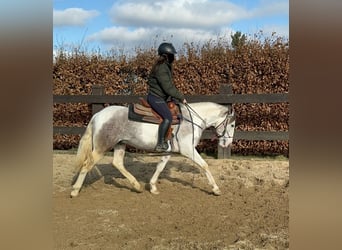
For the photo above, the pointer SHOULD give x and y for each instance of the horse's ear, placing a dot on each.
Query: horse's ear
(230, 109)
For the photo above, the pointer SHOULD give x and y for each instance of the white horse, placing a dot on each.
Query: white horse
(111, 128)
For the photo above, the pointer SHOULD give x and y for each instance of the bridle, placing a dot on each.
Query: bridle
(224, 123)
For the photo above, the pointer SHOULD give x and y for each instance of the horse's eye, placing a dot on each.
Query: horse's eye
(232, 125)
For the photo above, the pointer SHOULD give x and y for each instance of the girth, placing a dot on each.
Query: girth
(142, 112)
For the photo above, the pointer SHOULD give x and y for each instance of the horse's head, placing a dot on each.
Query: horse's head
(225, 128)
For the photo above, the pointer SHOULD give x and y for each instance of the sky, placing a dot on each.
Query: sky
(105, 25)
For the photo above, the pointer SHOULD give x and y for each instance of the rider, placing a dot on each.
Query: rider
(161, 87)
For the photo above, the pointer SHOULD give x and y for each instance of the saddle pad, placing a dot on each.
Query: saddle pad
(142, 110)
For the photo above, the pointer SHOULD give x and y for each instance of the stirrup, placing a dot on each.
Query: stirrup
(165, 147)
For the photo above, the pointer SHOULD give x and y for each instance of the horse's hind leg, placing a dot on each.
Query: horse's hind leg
(87, 166)
(118, 162)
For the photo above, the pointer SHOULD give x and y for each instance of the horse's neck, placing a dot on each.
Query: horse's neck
(208, 111)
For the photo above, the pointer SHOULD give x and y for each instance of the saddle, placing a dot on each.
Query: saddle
(143, 112)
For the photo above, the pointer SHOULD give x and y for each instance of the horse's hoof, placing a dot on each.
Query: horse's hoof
(74, 193)
(154, 192)
(138, 189)
(217, 192)
(153, 189)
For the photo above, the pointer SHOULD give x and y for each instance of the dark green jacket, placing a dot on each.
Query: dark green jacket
(161, 83)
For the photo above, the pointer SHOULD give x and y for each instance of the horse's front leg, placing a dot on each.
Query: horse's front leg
(160, 167)
(196, 157)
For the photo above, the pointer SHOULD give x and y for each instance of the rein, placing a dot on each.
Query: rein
(192, 123)
(193, 130)
(191, 110)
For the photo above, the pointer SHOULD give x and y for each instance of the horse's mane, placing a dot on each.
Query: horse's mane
(208, 105)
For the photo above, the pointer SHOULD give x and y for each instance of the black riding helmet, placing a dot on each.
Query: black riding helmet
(168, 50)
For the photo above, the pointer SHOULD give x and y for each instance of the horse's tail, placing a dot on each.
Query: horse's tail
(84, 153)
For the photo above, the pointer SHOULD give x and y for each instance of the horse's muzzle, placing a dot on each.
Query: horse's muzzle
(224, 142)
